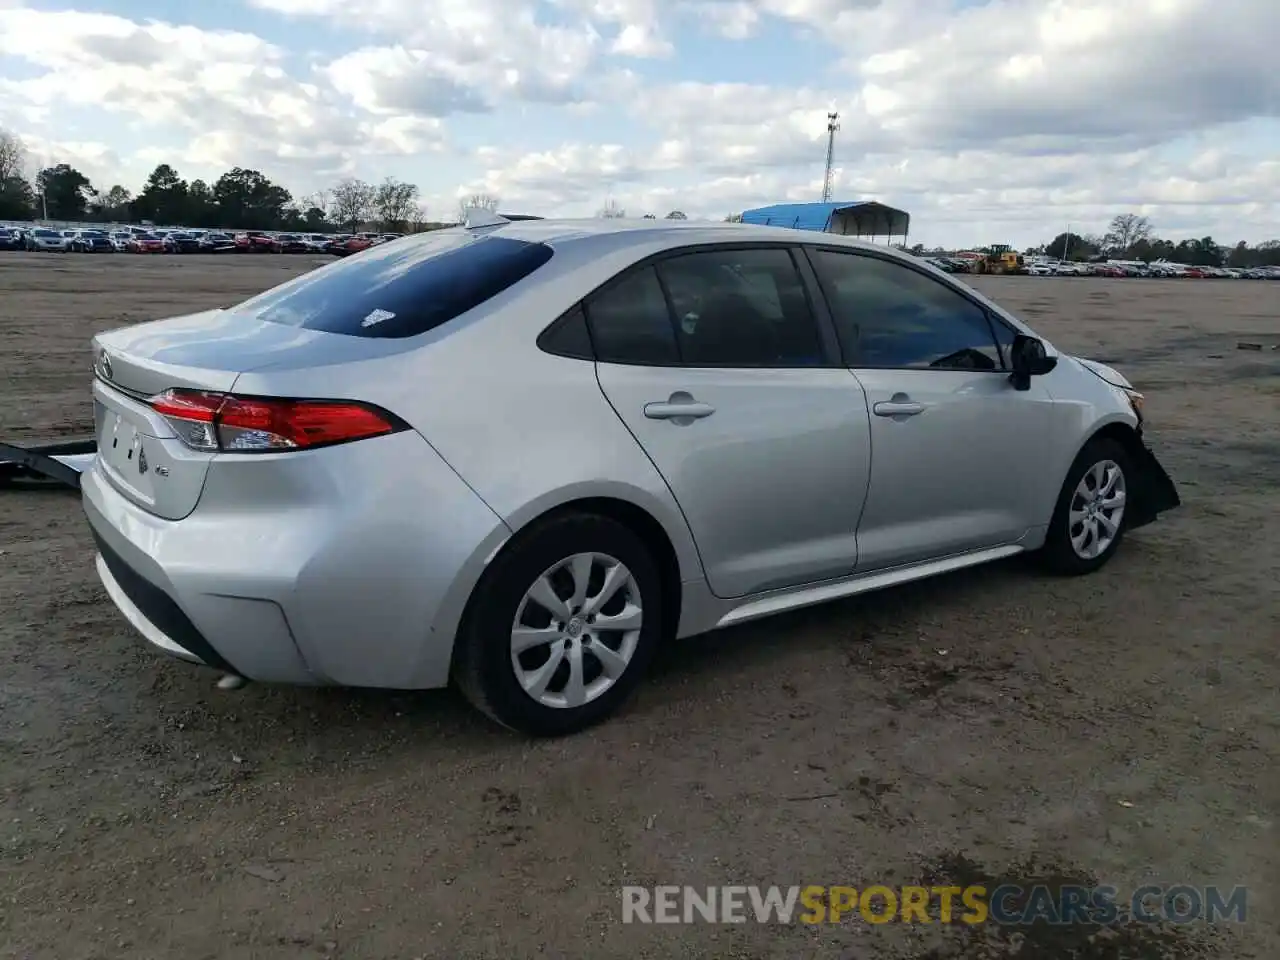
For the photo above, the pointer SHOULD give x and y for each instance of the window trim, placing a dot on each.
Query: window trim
(818, 307)
(555, 326)
(1004, 369)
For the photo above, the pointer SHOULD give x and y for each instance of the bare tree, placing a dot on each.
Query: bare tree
(1126, 230)
(395, 202)
(611, 210)
(675, 215)
(320, 200)
(418, 220)
(352, 203)
(481, 201)
(13, 156)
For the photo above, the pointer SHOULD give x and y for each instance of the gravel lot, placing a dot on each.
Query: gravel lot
(990, 724)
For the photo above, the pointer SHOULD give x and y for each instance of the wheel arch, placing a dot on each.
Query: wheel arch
(1126, 434)
(1115, 428)
(671, 554)
(655, 537)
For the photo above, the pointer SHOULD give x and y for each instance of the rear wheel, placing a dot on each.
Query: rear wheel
(1089, 520)
(562, 626)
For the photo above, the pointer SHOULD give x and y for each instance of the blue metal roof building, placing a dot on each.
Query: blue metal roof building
(859, 218)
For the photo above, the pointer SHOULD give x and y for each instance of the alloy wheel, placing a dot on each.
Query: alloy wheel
(576, 630)
(1097, 510)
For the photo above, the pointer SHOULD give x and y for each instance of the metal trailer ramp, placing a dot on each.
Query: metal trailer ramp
(56, 465)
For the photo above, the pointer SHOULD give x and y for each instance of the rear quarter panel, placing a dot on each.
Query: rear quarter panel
(527, 431)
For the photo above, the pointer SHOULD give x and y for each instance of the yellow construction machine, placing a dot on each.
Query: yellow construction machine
(999, 258)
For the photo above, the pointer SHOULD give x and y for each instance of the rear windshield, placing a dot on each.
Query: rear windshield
(401, 289)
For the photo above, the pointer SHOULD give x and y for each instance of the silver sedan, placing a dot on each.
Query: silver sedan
(520, 455)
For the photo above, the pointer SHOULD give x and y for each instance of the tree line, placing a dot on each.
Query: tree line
(1132, 237)
(239, 199)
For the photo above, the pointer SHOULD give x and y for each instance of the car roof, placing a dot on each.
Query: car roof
(621, 233)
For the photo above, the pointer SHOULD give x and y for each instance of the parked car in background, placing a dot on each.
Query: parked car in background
(214, 242)
(659, 387)
(179, 242)
(289, 243)
(254, 241)
(11, 238)
(145, 243)
(316, 242)
(44, 240)
(354, 244)
(337, 245)
(120, 240)
(1166, 269)
(92, 241)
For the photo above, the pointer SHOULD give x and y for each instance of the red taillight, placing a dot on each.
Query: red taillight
(232, 424)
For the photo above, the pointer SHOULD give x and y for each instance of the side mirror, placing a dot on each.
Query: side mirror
(1028, 358)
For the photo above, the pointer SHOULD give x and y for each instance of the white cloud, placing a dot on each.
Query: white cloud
(999, 120)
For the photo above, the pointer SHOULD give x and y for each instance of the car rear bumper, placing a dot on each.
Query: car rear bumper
(146, 606)
(248, 636)
(349, 565)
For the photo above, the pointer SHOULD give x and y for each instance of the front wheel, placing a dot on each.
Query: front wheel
(562, 626)
(1089, 519)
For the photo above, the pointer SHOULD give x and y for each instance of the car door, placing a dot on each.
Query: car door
(957, 452)
(716, 363)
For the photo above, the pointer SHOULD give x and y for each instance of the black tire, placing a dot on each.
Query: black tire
(1058, 554)
(482, 665)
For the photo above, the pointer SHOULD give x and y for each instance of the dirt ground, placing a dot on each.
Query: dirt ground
(997, 723)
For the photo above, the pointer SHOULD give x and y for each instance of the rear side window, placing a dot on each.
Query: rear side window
(630, 322)
(741, 308)
(402, 289)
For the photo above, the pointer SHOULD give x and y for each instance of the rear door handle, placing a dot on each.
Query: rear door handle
(893, 408)
(678, 410)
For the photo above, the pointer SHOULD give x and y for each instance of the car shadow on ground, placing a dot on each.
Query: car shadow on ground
(854, 631)
(355, 718)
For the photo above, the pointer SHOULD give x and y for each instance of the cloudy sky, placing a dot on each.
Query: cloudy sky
(999, 121)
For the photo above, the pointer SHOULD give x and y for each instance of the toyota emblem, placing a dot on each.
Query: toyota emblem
(104, 365)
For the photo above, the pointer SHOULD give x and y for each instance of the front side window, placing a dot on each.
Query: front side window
(741, 308)
(403, 289)
(888, 315)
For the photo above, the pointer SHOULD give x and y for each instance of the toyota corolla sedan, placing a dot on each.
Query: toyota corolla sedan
(520, 455)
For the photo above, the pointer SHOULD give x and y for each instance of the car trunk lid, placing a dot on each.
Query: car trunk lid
(139, 451)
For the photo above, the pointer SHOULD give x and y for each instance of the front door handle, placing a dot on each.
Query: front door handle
(680, 407)
(897, 408)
